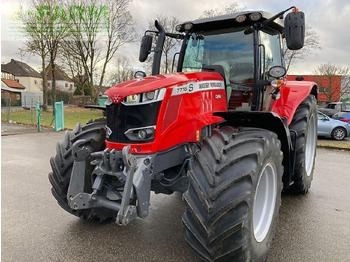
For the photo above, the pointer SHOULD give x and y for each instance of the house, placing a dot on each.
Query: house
(63, 82)
(328, 86)
(27, 77)
(10, 89)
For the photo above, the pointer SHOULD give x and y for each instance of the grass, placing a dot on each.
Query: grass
(72, 116)
(330, 143)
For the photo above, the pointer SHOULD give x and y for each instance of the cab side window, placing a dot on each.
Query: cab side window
(270, 51)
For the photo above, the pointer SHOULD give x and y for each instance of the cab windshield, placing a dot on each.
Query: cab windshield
(229, 48)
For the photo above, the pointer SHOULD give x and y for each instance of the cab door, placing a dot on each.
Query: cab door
(270, 55)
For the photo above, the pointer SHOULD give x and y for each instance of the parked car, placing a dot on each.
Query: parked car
(332, 108)
(342, 116)
(329, 127)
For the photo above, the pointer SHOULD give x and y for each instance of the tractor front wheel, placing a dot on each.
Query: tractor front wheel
(94, 133)
(234, 195)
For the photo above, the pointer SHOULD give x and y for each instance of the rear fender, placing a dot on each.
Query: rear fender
(269, 121)
(292, 94)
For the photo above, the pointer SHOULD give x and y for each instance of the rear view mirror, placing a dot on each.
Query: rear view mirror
(294, 26)
(145, 49)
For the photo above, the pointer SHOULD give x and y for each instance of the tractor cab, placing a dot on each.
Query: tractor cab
(242, 47)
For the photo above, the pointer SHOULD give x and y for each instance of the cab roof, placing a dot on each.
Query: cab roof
(229, 20)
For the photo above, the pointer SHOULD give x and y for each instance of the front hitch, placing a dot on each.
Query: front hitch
(137, 172)
(127, 212)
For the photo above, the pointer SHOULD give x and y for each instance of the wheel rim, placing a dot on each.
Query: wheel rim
(310, 146)
(339, 134)
(264, 202)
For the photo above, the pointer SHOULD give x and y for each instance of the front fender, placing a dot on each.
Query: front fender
(292, 94)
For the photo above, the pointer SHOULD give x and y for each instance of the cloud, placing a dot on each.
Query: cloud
(329, 18)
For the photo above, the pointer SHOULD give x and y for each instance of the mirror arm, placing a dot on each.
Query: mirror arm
(173, 64)
(151, 31)
(176, 36)
(266, 22)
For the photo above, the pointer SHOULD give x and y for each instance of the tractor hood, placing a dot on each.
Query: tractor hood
(118, 92)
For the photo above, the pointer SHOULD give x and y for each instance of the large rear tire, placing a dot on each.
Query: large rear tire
(305, 124)
(94, 132)
(234, 195)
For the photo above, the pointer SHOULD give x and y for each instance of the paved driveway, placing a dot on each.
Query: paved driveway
(315, 227)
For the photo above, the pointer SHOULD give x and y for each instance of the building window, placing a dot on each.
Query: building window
(35, 82)
(71, 85)
(66, 85)
(48, 84)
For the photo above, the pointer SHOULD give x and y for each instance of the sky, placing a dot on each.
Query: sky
(329, 18)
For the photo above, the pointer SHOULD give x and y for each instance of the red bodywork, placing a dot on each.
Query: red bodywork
(292, 94)
(182, 116)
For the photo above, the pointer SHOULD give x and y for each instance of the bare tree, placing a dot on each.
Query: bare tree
(311, 46)
(72, 64)
(230, 9)
(55, 32)
(330, 72)
(123, 71)
(36, 40)
(99, 29)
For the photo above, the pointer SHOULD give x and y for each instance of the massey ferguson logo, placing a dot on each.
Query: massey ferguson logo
(117, 99)
(210, 85)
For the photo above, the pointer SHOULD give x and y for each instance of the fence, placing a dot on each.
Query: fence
(29, 97)
(34, 115)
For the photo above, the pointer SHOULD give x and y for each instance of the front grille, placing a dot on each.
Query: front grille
(121, 118)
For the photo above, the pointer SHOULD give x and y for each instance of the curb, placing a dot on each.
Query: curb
(334, 148)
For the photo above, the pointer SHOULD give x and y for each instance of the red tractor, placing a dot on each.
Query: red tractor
(227, 130)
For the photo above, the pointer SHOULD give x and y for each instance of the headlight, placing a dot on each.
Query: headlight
(132, 99)
(255, 16)
(141, 133)
(150, 95)
(145, 98)
(188, 26)
(241, 18)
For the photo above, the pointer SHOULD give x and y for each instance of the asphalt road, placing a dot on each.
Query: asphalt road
(315, 227)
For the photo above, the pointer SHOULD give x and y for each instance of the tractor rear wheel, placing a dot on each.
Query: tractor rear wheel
(94, 132)
(234, 195)
(305, 124)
